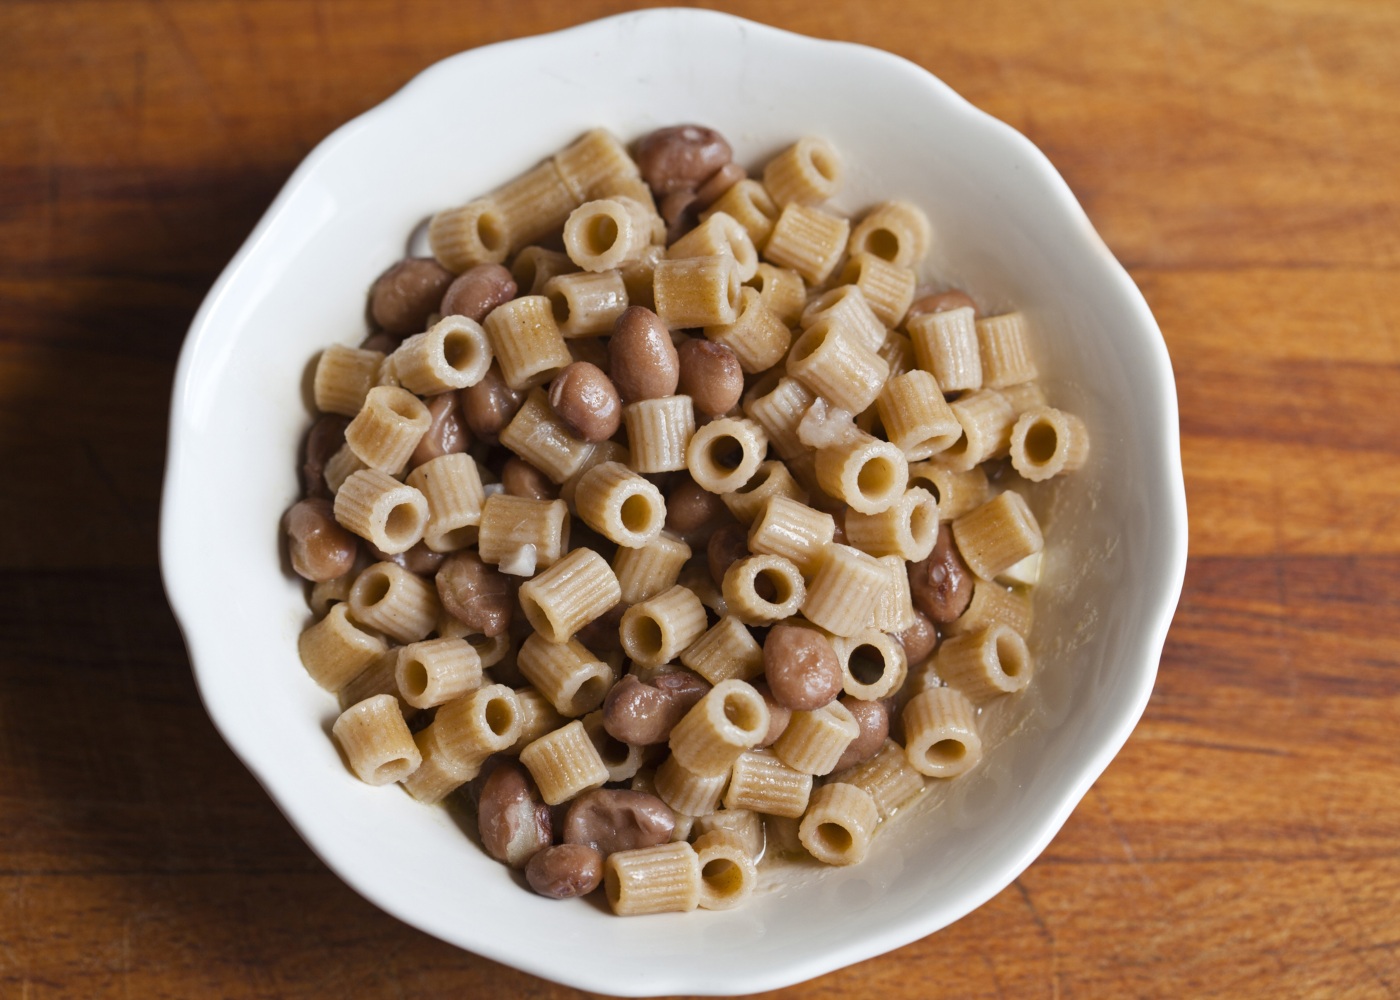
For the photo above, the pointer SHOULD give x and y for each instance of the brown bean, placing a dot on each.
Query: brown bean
(324, 439)
(615, 819)
(320, 548)
(644, 714)
(778, 715)
(384, 343)
(514, 824)
(476, 594)
(585, 399)
(919, 640)
(720, 181)
(941, 585)
(690, 507)
(681, 156)
(565, 870)
(419, 559)
(489, 405)
(641, 357)
(675, 209)
(801, 667)
(726, 547)
(873, 717)
(710, 376)
(601, 634)
(521, 479)
(446, 433)
(404, 296)
(478, 290)
(941, 302)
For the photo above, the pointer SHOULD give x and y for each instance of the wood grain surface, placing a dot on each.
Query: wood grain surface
(1241, 158)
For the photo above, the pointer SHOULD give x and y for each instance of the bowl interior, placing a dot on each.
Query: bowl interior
(1007, 230)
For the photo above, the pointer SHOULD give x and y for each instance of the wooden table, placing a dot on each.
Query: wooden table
(1242, 159)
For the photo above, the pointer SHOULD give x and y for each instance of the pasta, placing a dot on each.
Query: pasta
(866, 419)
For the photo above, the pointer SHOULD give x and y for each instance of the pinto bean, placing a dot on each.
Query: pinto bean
(802, 669)
(489, 405)
(585, 399)
(689, 507)
(710, 375)
(941, 585)
(941, 302)
(919, 640)
(614, 819)
(644, 714)
(641, 357)
(476, 594)
(873, 717)
(405, 295)
(320, 548)
(514, 824)
(521, 479)
(446, 433)
(565, 870)
(324, 439)
(682, 156)
(726, 547)
(478, 290)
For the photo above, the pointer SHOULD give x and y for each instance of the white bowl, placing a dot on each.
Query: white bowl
(1008, 230)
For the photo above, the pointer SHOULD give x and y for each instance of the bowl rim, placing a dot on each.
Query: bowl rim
(1160, 600)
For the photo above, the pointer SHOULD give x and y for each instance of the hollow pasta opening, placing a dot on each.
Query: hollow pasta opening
(636, 513)
(726, 453)
(415, 679)
(867, 664)
(723, 876)
(403, 523)
(882, 243)
(1010, 655)
(807, 345)
(460, 350)
(877, 477)
(923, 524)
(560, 306)
(500, 716)
(591, 691)
(647, 636)
(374, 588)
(402, 405)
(834, 837)
(391, 770)
(946, 751)
(600, 235)
(613, 752)
(823, 163)
(760, 478)
(491, 231)
(742, 712)
(1042, 442)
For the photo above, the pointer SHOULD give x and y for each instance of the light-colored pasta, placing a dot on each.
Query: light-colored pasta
(744, 825)
(376, 741)
(387, 428)
(334, 650)
(727, 873)
(534, 266)
(587, 303)
(844, 591)
(1046, 442)
(463, 733)
(564, 763)
(894, 609)
(873, 664)
(986, 419)
(731, 718)
(1023, 396)
(908, 528)
(451, 485)
(888, 288)
(440, 772)
(607, 233)
(620, 505)
(763, 783)
(650, 569)
(993, 603)
(758, 336)
(526, 342)
(763, 589)
(771, 480)
(870, 475)
(1001, 532)
(814, 741)
(453, 354)
(895, 231)
(623, 760)
(475, 233)
(726, 650)
(380, 677)
(344, 376)
(748, 203)
(808, 172)
(603, 451)
(659, 629)
(508, 523)
(341, 466)
(945, 344)
(793, 530)
(808, 240)
(569, 676)
(887, 778)
(433, 671)
(686, 792)
(658, 431)
(537, 717)
(957, 492)
(534, 204)
(780, 836)
(898, 352)
(723, 455)
(494, 650)
(780, 412)
(916, 418)
(569, 595)
(782, 290)
(697, 291)
(986, 663)
(834, 364)
(660, 879)
(1006, 351)
(940, 733)
(636, 189)
(398, 603)
(639, 276)
(847, 309)
(839, 824)
(593, 160)
(720, 233)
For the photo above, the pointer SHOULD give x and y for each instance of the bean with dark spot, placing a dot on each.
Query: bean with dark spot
(615, 819)
(475, 594)
(644, 714)
(514, 824)
(941, 585)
